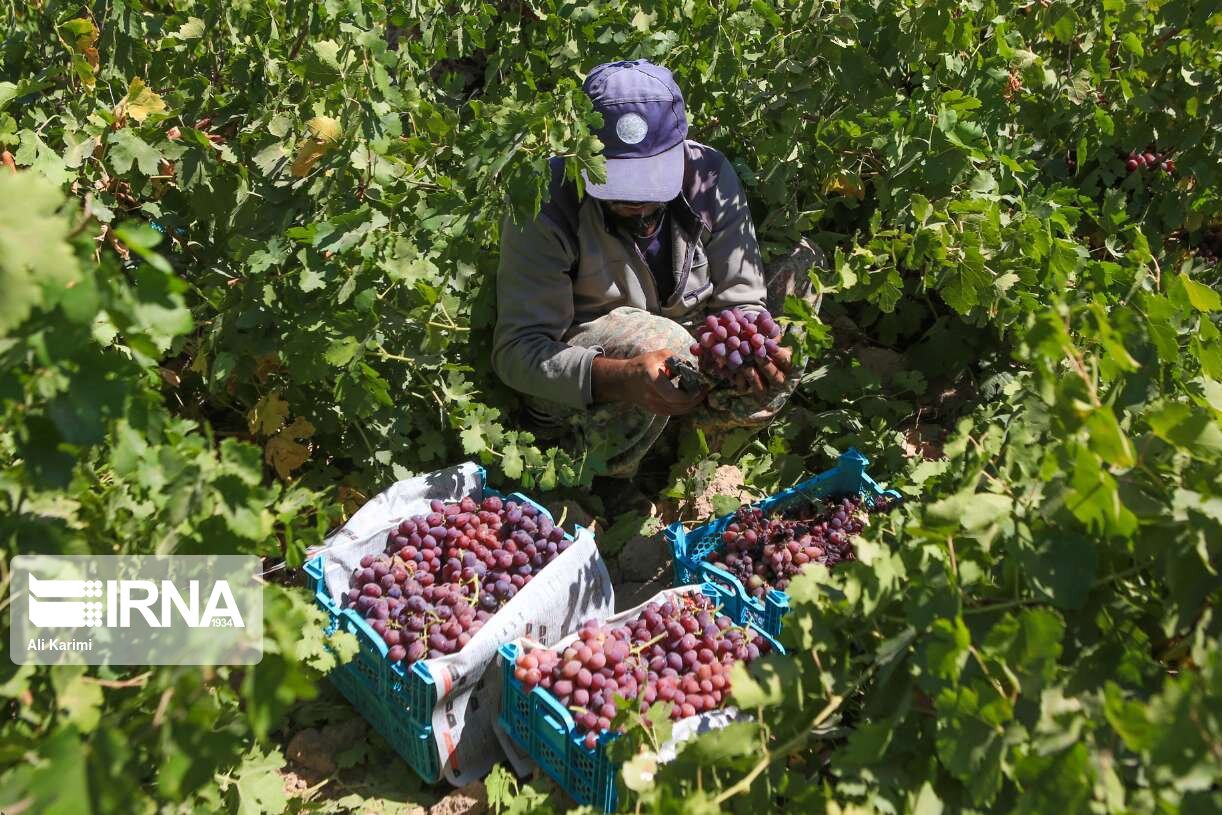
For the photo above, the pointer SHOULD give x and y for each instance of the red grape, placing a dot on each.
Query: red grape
(736, 338)
(428, 594)
(767, 552)
(655, 657)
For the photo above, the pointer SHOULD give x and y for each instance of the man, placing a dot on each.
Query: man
(596, 294)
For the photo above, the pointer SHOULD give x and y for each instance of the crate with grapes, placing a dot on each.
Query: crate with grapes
(751, 555)
(559, 703)
(431, 587)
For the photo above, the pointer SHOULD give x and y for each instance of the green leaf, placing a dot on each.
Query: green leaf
(971, 738)
(944, 649)
(970, 510)
(36, 261)
(1130, 719)
(42, 158)
(1062, 567)
(79, 700)
(1108, 440)
(259, 785)
(141, 239)
(1189, 428)
(341, 351)
(1202, 297)
(124, 148)
(328, 53)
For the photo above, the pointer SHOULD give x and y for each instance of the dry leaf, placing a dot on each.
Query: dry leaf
(268, 414)
(265, 365)
(324, 131)
(285, 451)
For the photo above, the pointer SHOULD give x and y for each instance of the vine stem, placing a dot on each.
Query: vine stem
(785, 749)
(135, 682)
(1036, 601)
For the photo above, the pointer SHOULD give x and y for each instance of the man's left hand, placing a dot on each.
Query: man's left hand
(760, 377)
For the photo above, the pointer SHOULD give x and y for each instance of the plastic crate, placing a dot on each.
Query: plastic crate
(546, 731)
(397, 702)
(692, 547)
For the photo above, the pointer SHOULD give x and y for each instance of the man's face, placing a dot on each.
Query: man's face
(641, 218)
(634, 209)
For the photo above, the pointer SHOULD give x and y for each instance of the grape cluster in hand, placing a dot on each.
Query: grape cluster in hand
(727, 341)
(679, 651)
(1149, 160)
(444, 574)
(766, 553)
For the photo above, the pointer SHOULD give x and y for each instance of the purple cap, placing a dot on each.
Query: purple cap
(643, 131)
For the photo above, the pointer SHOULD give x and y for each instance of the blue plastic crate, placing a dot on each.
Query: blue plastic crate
(546, 731)
(691, 548)
(397, 702)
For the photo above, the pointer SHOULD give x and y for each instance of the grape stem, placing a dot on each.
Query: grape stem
(637, 650)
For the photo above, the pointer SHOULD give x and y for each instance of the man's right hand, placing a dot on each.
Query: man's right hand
(643, 381)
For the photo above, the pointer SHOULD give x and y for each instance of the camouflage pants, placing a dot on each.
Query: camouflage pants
(622, 434)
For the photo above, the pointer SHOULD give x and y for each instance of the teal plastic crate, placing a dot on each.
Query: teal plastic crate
(545, 730)
(691, 548)
(398, 702)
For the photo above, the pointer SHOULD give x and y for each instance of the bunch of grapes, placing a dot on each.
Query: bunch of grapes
(1149, 160)
(678, 651)
(444, 574)
(727, 341)
(766, 553)
(1209, 248)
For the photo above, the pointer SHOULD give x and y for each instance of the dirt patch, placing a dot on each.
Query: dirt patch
(470, 800)
(727, 480)
(924, 441)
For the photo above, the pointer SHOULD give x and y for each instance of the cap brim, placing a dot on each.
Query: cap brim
(654, 178)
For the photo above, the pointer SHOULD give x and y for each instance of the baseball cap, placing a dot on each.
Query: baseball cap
(643, 131)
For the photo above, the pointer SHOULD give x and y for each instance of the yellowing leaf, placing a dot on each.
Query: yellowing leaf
(192, 29)
(140, 101)
(845, 184)
(81, 36)
(639, 771)
(268, 414)
(323, 133)
(285, 451)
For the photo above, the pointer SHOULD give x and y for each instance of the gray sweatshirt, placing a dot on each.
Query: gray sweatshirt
(568, 267)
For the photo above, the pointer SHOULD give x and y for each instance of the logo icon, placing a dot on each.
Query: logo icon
(136, 610)
(631, 128)
(61, 612)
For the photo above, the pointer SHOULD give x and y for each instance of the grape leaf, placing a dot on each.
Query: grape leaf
(140, 102)
(268, 414)
(35, 257)
(124, 148)
(259, 785)
(285, 450)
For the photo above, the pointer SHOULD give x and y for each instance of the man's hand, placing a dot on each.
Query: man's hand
(643, 381)
(759, 377)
